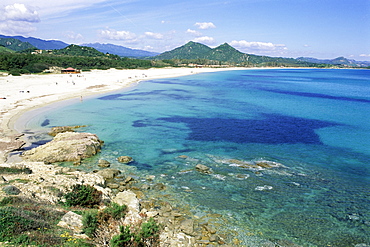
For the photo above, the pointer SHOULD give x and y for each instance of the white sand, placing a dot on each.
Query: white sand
(19, 94)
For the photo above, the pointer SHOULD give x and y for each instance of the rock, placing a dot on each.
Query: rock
(72, 221)
(113, 186)
(214, 238)
(68, 146)
(182, 156)
(109, 173)
(129, 199)
(187, 226)
(125, 159)
(61, 129)
(11, 190)
(159, 186)
(103, 163)
(128, 180)
(265, 187)
(203, 169)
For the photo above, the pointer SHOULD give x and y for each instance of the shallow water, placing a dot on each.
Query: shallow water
(313, 123)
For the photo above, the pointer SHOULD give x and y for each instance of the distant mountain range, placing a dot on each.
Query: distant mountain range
(336, 61)
(120, 50)
(56, 44)
(191, 50)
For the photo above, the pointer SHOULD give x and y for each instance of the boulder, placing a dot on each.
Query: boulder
(203, 169)
(104, 163)
(68, 146)
(129, 199)
(71, 221)
(109, 173)
(125, 159)
(11, 190)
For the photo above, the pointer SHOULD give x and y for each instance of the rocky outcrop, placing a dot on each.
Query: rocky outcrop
(68, 146)
(109, 173)
(61, 129)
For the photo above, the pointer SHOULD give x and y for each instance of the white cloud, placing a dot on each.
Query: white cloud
(73, 36)
(364, 55)
(204, 25)
(117, 35)
(153, 35)
(18, 19)
(194, 32)
(204, 39)
(257, 46)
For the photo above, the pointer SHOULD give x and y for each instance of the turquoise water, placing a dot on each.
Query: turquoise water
(311, 125)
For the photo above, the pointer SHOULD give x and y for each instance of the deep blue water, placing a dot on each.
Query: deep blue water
(314, 122)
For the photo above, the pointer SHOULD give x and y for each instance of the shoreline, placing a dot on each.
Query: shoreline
(19, 95)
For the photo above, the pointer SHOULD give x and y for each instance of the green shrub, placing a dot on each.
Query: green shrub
(14, 221)
(123, 239)
(147, 236)
(90, 222)
(14, 170)
(83, 195)
(114, 211)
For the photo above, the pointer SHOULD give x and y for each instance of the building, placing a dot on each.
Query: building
(70, 70)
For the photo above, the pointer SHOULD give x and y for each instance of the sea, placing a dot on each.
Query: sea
(288, 149)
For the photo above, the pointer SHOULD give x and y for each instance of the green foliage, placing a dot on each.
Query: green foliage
(123, 239)
(149, 229)
(14, 222)
(115, 211)
(35, 63)
(14, 170)
(83, 195)
(90, 222)
(146, 236)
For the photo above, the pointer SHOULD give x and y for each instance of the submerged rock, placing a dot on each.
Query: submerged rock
(203, 169)
(103, 163)
(68, 146)
(125, 159)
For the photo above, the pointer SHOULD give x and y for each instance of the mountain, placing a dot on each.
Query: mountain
(336, 61)
(76, 50)
(39, 43)
(225, 53)
(190, 50)
(15, 44)
(120, 50)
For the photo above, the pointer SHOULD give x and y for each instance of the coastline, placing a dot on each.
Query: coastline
(27, 92)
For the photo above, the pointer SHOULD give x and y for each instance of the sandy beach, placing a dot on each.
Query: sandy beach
(19, 94)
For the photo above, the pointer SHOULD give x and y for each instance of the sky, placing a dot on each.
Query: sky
(323, 29)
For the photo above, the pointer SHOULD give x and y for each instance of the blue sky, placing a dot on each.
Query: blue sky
(288, 28)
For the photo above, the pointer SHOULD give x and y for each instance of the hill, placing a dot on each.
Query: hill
(3, 49)
(15, 44)
(76, 50)
(39, 43)
(190, 50)
(120, 50)
(226, 54)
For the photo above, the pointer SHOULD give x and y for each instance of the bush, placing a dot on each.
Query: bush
(114, 211)
(83, 195)
(90, 222)
(14, 222)
(123, 239)
(147, 236)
